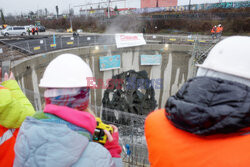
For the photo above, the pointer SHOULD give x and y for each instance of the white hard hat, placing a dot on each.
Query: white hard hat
(66, 71)
(230, 56)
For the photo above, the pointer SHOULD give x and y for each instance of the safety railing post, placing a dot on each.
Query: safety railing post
(45, 44)
(12, 55)
(61, 42)
(28, 46)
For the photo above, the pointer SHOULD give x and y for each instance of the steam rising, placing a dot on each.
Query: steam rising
(120, 24)
(124, 24)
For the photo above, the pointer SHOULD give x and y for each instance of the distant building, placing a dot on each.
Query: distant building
(125, 11)
(157, 3)
(93, 12)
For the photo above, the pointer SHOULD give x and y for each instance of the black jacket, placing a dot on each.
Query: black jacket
(205, 106)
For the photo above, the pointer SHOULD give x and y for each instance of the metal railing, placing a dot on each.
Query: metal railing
(43, 45)
(9, 53)
(131, 134)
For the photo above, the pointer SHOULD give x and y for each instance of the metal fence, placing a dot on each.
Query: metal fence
(51, 43)
(131, 132)
(42, 45)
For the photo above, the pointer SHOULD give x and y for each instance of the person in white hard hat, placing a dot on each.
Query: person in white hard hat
(61, 135)
(219, 30)
(213, 32)
(207, 122)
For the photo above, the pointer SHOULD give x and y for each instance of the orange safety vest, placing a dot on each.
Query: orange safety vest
(218, 29)
(172, 147)
(213, 30)
(7, 143)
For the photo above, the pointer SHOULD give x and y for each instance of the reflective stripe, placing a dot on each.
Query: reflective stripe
(2, 87)
(7, 135)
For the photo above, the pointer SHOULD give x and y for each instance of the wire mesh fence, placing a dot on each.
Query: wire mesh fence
(131, 131)
(51, 43)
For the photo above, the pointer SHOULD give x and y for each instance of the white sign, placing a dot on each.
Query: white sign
(72, 38)
(129, 40)
(1, 50)
(189, 36)
(79, 30)
(88, 38)
(41, 41)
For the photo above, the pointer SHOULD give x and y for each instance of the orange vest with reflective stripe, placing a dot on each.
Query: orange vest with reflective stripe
(7, 143)
(219, 29)
(172, 147)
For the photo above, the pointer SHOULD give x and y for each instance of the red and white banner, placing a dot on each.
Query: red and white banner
(129, 40)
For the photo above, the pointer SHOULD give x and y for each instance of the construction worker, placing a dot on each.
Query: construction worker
(213, 31)
(14, 107)
(28, 30)
(37, 30)
(206, 123)
(219, 30)
(5, 26)
(33, 31)
(61, 135)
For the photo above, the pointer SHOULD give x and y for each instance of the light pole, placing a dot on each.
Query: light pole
(189, 5)
(108, 8)
(70, 20)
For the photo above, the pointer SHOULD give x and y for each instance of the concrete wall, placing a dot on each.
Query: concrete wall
(177, 66)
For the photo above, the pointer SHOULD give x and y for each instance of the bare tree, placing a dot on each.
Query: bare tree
(2, 16)
(46, 12)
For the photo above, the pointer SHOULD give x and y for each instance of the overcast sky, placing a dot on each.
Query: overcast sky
(25, 6)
